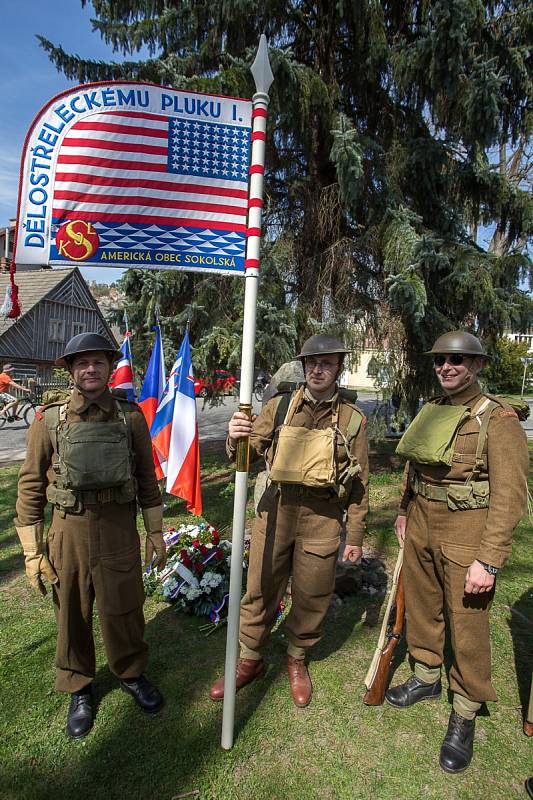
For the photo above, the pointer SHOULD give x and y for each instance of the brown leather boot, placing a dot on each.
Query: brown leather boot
(247, 670)
(301, 686)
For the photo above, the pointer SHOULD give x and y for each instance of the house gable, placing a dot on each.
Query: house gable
(58, 307)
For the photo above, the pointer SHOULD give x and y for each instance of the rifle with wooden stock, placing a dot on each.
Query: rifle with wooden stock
(377, 677)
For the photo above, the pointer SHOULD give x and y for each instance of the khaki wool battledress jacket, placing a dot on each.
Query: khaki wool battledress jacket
(96, 554)
(505, 466)
(297, 529)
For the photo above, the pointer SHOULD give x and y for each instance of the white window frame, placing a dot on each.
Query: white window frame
(56, 330)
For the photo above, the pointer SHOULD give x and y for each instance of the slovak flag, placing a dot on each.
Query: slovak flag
(174, 432)
(122, 377)
(151, 392)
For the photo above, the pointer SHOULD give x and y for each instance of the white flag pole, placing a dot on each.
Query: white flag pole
(263, 78)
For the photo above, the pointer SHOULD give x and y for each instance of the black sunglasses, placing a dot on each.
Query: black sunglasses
(452, 358)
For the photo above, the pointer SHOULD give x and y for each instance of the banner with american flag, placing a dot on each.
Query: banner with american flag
(136, 175)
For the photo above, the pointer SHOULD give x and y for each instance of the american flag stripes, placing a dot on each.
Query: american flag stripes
(123, 171)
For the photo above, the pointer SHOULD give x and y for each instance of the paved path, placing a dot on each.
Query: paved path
(212, 425)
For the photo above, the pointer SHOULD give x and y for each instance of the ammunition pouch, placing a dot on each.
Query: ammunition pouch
(64, 499)
(69, 501)
(458, 496)
(468, 496)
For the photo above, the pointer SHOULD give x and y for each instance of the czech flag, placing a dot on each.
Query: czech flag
(151, 392)
(174, 432)
(122, 377)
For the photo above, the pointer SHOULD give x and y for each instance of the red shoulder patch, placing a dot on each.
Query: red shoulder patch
(363, 423)
(505, 413)
(38, 415)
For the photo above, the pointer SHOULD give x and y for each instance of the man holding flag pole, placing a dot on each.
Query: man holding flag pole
(299, 519)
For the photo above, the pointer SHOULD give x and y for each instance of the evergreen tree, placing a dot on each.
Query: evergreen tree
(381, 174)
(505, 371)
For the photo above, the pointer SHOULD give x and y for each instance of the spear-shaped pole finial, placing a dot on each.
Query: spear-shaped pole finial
(260, 69)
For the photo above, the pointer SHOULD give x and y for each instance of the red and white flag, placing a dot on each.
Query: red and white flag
(174, 432)
(122, 377)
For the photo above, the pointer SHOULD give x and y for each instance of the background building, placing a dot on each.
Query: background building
(56, 305)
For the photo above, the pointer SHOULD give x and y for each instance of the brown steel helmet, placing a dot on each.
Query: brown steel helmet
(322, 344)
(458, 342)
(87, 343)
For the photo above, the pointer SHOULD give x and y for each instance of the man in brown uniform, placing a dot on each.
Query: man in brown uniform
(465, 493)
(299, 519)
(91, 457)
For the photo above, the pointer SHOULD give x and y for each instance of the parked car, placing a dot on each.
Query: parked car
(223, 382)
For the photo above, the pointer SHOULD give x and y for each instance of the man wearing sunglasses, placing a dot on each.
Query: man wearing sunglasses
(465, 491)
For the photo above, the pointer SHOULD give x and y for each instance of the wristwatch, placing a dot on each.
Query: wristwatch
(490, 569)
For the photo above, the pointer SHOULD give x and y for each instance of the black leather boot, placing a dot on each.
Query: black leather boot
(80, 716)
(458, 745)
(144, 693)
(413, 691)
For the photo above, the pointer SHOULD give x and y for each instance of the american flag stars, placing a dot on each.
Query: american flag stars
(208, 150)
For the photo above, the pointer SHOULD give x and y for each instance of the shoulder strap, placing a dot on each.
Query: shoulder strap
(483, 415)
(281, 409)
(348, 394)
(354, 423)
(126, 419)
(53, 416)
(284, 408)
(295, 399)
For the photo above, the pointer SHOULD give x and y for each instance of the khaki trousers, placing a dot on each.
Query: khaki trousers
(293, 534)
(97, 557)
(440, 545)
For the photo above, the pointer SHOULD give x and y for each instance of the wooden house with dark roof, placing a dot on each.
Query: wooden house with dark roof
(56, 305)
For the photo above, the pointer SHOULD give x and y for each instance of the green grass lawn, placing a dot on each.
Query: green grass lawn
(336, 749)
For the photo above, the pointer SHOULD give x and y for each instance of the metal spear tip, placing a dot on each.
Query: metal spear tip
(260, 69)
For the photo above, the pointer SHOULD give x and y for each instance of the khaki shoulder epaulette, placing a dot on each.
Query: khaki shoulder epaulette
(510, 407)
(55, 403)
(40, 412)
(497, 399)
